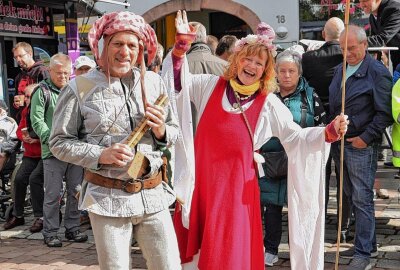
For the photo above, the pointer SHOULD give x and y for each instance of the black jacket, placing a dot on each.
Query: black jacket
(319, 67)
(34, 74)
(368, 100)
(386, 28)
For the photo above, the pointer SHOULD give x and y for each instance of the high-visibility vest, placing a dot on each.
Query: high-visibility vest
(396, 125)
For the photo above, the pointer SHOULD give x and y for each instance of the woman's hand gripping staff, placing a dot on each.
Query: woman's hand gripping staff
(336, 129)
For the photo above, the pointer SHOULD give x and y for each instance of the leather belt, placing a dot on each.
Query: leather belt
(130, 186)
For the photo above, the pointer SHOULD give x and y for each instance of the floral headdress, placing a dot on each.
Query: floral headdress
(265, 36)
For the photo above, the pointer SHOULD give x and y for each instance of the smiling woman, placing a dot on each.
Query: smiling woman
(219, 224)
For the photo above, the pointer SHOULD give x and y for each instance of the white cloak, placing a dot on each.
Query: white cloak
(307, 154)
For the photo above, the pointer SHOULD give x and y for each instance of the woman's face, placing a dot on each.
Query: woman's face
(251, 68)
(288, 76)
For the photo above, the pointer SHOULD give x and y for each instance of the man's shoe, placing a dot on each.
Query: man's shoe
(14, 222)
(349, 254)
(53, 241)
(84, 220)
(270, 259)
(388, 164)
(37, 226)
(346, 237)
(76, 236)
(359, 264)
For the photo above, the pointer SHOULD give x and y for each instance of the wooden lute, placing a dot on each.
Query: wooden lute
(140, 163)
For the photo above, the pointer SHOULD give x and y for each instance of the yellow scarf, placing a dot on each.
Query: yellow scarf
(246, 90)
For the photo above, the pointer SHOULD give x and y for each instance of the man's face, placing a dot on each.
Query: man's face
(59, 75)
(355, 50)
(120, 54)
(23, 58)
(370, 6)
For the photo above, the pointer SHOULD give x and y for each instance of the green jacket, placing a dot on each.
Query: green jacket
(396, 125)
(41, 119)
(275, 191)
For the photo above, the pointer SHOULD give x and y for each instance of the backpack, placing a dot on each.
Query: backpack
(46, 94)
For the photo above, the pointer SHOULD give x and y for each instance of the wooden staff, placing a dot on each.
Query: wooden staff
(346, 29)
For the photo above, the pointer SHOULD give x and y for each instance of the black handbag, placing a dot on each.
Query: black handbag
(276, 165)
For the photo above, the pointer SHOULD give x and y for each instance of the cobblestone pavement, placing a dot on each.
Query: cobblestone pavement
(19, 249)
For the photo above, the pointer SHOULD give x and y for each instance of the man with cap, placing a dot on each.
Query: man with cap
(83, 64)
(95, 114)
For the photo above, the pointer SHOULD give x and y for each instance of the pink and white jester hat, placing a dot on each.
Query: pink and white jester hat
(115, 22)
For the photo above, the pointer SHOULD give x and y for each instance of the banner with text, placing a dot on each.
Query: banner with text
(27, 19)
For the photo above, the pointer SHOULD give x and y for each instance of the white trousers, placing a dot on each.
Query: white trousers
(154, 233)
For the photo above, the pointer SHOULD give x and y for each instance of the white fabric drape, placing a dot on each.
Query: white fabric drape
(306, 149)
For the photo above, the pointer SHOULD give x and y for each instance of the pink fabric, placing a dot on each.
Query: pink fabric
(183, 43)
(177, 66)
(265, 35)
(330, 133)
(115, 22)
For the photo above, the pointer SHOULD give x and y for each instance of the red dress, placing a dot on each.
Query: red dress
(225, 218)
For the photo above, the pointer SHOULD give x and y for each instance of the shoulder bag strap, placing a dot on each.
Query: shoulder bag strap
(303, 120)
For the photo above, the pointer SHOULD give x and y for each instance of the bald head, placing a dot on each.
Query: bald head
(333, 27)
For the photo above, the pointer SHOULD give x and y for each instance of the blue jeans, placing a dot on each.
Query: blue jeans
(359, 170)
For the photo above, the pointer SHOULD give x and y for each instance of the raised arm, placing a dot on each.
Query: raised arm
(184, 37)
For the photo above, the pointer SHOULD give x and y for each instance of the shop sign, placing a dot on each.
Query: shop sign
(28, 19)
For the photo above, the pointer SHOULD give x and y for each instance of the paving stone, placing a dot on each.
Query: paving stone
(10, 255)
(388, 264)
(38, 252)
(47, 257)
(393, 256)
(27, 266)
(391, 248)
(36, 236)
(394, 222)
(59, 262)
(394, 237)
(82, 256)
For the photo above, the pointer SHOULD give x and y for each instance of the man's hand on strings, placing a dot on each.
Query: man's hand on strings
(118, 154)
(156, 120)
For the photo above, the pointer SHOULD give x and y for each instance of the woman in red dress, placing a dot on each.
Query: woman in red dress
(236, 116)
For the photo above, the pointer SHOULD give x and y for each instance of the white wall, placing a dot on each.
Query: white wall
(268, 10)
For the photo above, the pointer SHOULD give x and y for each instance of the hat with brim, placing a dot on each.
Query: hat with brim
(82, 61)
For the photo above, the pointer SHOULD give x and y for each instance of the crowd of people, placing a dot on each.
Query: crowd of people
(249, 131)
